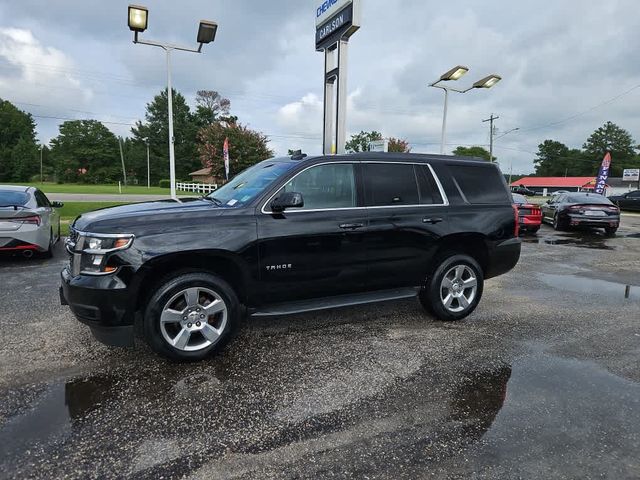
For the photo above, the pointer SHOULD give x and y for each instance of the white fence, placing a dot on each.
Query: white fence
(196, 187)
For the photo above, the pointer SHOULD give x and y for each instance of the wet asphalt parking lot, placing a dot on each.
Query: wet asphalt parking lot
(542, 381)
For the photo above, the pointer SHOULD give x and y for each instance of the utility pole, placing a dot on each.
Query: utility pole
(41, 147)
(490, 120)
(124, 173)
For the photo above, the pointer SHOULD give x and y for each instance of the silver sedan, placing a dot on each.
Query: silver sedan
(29, 222)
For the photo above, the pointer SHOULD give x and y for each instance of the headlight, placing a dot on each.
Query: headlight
(91, 251)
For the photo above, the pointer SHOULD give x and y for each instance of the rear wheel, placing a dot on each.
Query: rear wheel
(610, 231)
(191, 316)
(454, 289)
(557, 223)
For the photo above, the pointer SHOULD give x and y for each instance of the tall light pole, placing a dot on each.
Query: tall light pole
(138, 19)
(41, 147)
(148, 169)
(454, 74)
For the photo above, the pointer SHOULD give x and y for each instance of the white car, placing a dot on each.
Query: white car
(29, 222)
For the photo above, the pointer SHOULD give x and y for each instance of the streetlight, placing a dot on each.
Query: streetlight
(454, 74)
(138, 19)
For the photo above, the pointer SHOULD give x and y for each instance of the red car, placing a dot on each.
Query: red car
(529, 214)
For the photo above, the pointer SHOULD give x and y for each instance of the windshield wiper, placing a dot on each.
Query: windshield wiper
(213, 199)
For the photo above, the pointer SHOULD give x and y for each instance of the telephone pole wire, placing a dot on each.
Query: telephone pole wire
(490, 120)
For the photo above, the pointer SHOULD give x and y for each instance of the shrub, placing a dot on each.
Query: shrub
(164, 183)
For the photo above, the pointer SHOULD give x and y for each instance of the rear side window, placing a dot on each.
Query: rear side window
(429, 191)
(388, 184)
(479, 184)
(41, 199)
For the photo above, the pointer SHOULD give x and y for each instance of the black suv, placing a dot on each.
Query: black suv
(290, 235)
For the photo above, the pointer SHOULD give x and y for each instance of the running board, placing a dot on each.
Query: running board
(350, 300)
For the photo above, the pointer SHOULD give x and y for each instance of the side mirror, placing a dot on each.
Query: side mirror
(287, 200)
(57, 204)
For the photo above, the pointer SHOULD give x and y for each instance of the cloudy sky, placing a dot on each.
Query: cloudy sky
(567, 66)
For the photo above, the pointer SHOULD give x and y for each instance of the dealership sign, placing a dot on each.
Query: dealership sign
(335, 20)
(631, 174)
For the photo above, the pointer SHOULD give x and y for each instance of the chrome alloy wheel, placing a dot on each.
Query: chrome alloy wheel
(193, 319)
(458, 288)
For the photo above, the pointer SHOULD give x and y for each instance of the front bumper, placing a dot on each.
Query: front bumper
(101, 303)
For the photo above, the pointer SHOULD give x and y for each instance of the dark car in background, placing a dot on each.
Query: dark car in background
(522, 190)
(581, 209)
(291, 235)
(529, 214)
(627, 201)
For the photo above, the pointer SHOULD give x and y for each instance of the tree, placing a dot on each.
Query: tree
(246, 147)
(477, 152)
(210, 106)
(398, 145)
(86, 151)
(610, 138)
(360, 141)
(155, 131)
(18, 150)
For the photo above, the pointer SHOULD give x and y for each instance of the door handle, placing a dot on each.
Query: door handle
(351, 226)
(431, 220)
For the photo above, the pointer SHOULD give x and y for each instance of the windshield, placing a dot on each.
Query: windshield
(588, 199)
(247, 185)
(9, 198)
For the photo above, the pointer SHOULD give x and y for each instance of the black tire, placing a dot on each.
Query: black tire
(534, 230)
(610, 231)
(171, 287)
(430, 295)
(557, 223)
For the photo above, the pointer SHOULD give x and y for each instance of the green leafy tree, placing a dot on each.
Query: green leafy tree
(551, 158)
(155, 131)
(18, 150)
(360, 141)
(610, 138)
(86, 151)
(398, 145)
(246, 147)
(477, 152)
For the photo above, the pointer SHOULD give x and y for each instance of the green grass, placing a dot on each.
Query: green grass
(98, 189)
(71, 210)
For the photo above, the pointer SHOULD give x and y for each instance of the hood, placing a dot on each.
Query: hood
(124, 218)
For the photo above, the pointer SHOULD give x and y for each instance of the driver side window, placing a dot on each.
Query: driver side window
(325, 186)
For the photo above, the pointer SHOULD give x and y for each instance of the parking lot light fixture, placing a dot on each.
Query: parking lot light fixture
(488, 81)
(138, 18)
(207, 31)
(454, 74)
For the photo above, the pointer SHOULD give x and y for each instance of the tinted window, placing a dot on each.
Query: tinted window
(480, 184)
(41, 199)
(325, 186)
(390, 184)
(429, 191)
(634, 194)
(588, 199)
(13, 198)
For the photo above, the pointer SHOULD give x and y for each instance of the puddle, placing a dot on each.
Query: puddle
(592, 286)
(590, 241)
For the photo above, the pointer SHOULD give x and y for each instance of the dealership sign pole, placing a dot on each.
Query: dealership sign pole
(336, 21)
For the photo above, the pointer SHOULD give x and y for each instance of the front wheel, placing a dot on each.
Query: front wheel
(454, 289)
(557, 223)
(191, 316)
